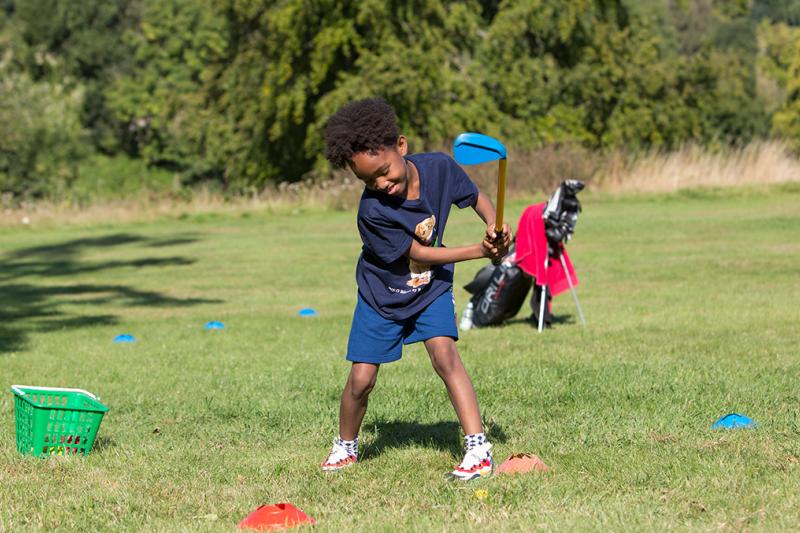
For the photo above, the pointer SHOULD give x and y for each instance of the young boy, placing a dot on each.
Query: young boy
(404, 273)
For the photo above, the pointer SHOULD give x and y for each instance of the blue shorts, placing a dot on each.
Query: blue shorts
(375, 339)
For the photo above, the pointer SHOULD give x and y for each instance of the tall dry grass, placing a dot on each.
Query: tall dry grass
(530, 172)
(539, 171)
(693, 167)
(340, 193)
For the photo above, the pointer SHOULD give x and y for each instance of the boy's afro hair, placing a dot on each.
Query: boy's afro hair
(361, 126)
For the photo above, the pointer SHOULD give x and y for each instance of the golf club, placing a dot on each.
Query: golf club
(475, 149)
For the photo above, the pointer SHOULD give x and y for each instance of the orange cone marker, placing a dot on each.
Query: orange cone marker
(521, 463)
(275, 518)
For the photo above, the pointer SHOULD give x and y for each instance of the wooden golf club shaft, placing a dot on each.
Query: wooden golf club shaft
(501, 197)
(501, 200)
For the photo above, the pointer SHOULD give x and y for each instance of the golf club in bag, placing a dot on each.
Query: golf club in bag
(560, 216)
(498, 291)
(561, 213)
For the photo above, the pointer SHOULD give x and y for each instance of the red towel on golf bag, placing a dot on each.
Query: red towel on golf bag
(531, 250)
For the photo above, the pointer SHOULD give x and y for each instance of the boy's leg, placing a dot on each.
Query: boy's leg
(373, 341)
(447, 363)
(478, 460)
(352, 407)
(355, 396)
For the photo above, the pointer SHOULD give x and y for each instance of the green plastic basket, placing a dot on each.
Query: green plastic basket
(56, 421)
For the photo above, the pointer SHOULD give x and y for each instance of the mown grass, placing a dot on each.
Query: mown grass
(691, 303)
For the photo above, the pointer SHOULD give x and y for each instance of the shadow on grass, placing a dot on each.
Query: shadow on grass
(63, 259)
(35, 305)
(440, 435)
(101, 443)
(555, 320)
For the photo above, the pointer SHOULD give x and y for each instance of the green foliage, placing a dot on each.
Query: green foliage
(104, 178)
(161, 102)
(239, 91)
(297, 62)
(779, 70)
(787, 120)
(84, 35)
(427, 70)
(778, 42)
(530, 49)
(286, 55)
(41, 138)
(787, 11)
(605, 77)
(79, 42)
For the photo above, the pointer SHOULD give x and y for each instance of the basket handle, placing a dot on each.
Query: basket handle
(17, 390)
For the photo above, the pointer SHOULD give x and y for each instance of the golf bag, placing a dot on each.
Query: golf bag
(497, 293)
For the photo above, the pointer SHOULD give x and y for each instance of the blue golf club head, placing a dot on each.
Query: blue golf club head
(476, 148)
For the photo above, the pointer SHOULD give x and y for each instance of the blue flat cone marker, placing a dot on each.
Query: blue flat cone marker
(307, 311)
(125, 337)
(214, 325)
(734, 421)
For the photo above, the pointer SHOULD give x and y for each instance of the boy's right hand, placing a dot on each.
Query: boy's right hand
(495, 246)
(490, 249)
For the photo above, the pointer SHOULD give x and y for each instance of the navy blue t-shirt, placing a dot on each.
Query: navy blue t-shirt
(391, 283)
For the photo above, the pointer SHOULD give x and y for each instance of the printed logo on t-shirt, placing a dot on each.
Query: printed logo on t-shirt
(421, 273)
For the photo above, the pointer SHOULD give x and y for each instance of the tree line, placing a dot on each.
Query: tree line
(237, 92)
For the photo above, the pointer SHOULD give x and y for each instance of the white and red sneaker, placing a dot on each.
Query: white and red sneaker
(477, 463)
(338, 459)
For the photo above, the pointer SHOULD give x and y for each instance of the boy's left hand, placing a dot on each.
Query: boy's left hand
(498, 243)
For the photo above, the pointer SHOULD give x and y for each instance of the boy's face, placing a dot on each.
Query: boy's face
(384, 170)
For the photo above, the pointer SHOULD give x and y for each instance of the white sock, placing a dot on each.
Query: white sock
(350, 445)
(473, 441)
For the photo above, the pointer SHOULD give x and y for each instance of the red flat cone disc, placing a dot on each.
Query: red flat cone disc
(522, 462)
(275, 517)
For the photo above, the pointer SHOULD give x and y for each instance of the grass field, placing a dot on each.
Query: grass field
(692, 308)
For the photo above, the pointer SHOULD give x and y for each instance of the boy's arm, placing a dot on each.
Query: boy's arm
(432, 255)
(483, 206)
